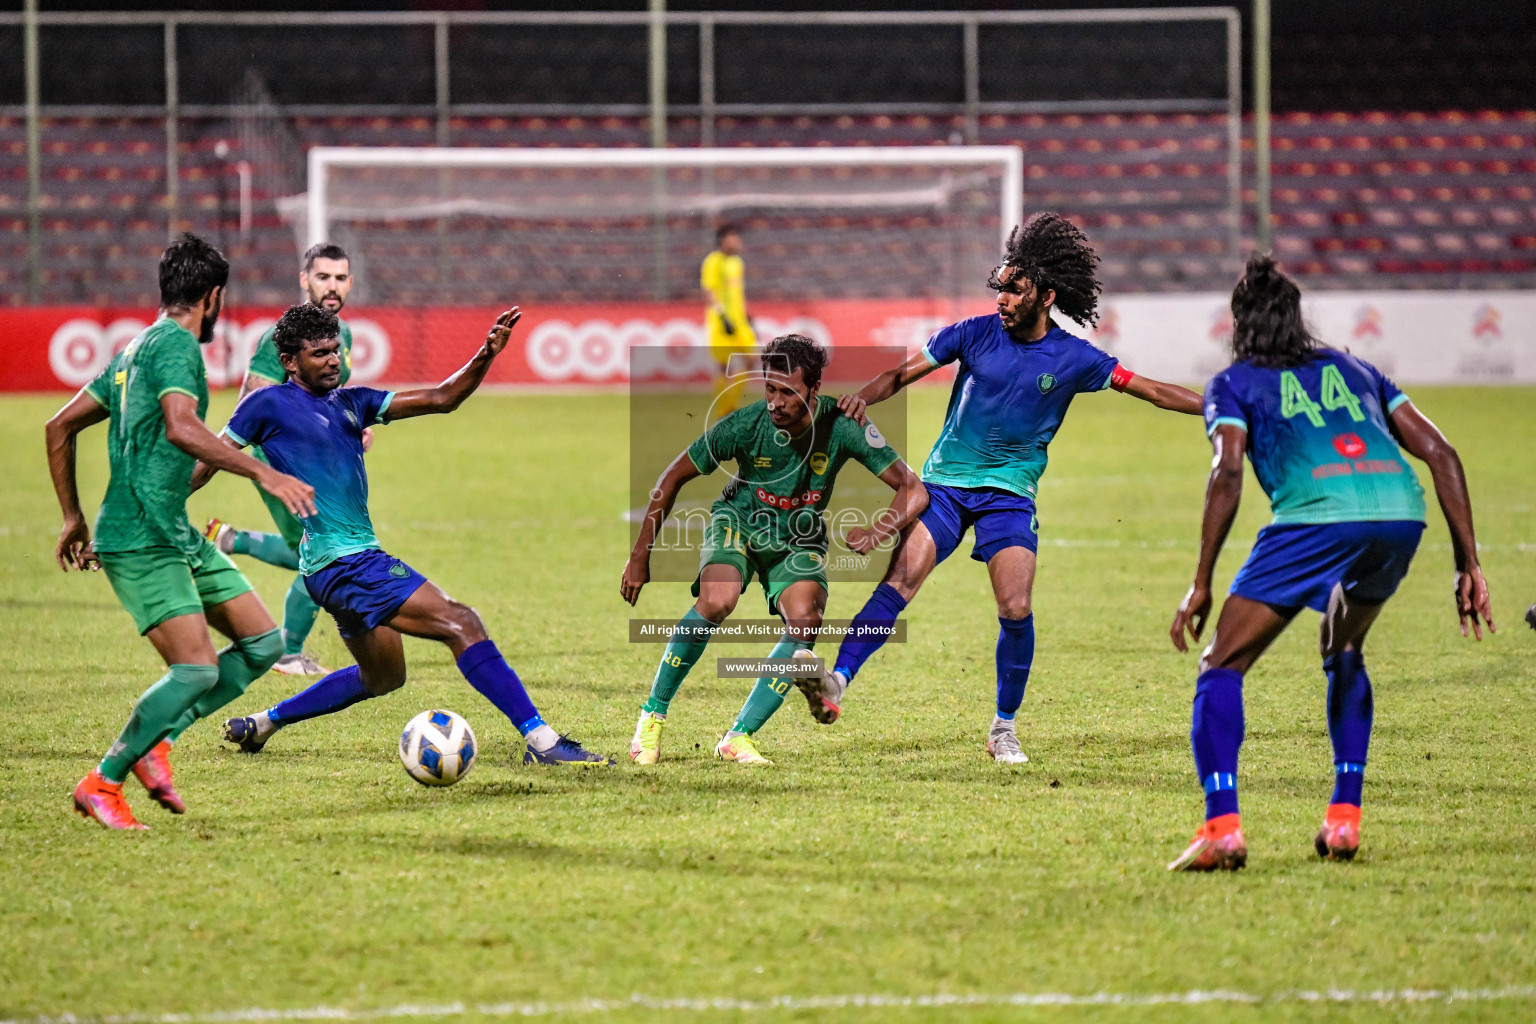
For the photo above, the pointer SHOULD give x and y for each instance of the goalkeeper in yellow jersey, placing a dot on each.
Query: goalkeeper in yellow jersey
(723, 278)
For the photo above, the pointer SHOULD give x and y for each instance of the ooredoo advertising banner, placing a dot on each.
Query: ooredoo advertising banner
(1417, 337)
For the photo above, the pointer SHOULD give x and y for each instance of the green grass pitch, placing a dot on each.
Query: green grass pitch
(885, 855)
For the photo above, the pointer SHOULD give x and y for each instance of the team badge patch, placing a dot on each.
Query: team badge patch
(399, 571)
(819, 463)
(1046, 381)
(873, 437)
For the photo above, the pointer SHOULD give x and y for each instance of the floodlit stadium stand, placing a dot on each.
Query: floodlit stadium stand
(1370, 200)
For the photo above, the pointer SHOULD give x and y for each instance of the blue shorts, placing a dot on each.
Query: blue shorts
(1296, 564)
(1002, 520)
(363, 591)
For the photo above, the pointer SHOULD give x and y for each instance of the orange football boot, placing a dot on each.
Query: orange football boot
(1339, 838)
(154, 770)
(97, 798)
(1218, 846)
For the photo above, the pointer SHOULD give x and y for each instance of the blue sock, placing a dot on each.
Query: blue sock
(488, 672)
(1216, 733)
(882, 609)
(1015, 654)
(341, 689)
(1350, 712)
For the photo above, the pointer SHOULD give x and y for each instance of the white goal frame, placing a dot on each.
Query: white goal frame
(323, 158)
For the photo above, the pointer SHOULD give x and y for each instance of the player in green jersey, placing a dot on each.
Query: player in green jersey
(172, 581)
(788, 450)
(326, 277)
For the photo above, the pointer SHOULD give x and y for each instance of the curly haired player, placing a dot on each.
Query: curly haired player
(1323, 430)
(1018, 373)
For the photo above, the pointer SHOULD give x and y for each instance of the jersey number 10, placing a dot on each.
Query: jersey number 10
(1294, 400)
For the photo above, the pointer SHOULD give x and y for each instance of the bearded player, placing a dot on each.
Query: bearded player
(1322, 430)
(312, 427)
(1018, 374)
(788, 449)
(171, 580)
(326, 278)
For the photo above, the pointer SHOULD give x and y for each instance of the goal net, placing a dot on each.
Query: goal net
(456, 227)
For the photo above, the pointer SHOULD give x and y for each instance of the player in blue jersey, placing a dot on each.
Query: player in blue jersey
(313, 430)
(1019, 372)
(1322, 430)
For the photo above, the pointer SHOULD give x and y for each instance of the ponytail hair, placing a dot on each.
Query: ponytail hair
(1267, 329)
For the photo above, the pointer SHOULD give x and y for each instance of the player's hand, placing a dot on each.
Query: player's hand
(501, 331)
(1472, 602)
(853, 407)
(1191, 616)
(74, 548)
(637, 573)
(296, 495)
(367, 438)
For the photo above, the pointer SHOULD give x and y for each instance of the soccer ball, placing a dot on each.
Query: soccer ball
(437, 748)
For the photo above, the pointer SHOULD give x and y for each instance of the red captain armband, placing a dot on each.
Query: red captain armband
(1120, 377)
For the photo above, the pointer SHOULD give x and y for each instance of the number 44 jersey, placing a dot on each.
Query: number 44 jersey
(1318, 438)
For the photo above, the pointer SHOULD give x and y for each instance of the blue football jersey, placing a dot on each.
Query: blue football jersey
(318, 439)
(1318, 438)
(1008, 401)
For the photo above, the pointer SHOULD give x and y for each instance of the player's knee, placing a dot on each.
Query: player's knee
(715, 608)
(462, 623)
(804, 626)
(1014, 607)
(380, 681)
(261, 652)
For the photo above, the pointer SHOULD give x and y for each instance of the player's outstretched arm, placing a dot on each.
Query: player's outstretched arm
(1165, 396)
(1424, 441)
(74, 547)
(910, 501)
(1222, 493)
(451, 393)
(884, 386)
(186, 431)
(637, 571)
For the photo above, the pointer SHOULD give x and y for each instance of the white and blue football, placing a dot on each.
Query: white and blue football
(437, 748)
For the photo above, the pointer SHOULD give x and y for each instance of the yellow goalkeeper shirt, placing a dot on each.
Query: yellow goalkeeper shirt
(724, 277)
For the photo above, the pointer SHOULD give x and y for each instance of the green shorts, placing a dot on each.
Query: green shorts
(156, 584)
(286, 522)
(775, 567)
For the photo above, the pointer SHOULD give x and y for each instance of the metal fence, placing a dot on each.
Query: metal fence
(704, 67)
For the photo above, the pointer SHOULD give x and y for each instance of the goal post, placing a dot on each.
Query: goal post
(605, 224)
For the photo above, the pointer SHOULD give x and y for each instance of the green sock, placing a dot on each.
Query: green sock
(240, 663)
(156, 715)
(767, 694)
(689, 638)
(299, 614)
(266, 547)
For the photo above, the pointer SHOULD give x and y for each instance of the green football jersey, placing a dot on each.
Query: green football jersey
(146, 501)
(265, 363)
(783, 483)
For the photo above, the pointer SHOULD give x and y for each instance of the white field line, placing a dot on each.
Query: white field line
(828, 1002)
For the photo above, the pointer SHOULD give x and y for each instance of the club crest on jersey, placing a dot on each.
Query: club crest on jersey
(872, 436)
(780, 501)
(819, 463)
(762, 462)
(1046, 381)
